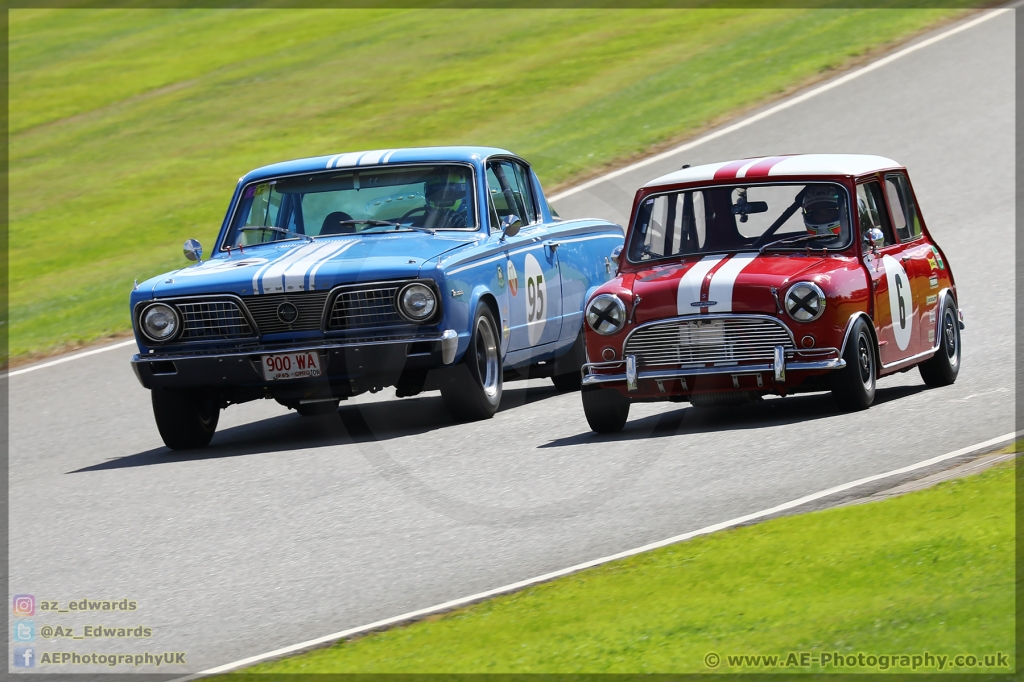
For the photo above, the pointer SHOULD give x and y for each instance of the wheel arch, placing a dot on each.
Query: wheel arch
(874, 338)
(484, 296)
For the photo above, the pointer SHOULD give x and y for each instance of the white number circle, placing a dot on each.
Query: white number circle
(536, 299)
(901, 301)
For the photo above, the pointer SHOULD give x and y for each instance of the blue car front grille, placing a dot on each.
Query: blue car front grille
(365, 307)
(265, 311)
(206, 320)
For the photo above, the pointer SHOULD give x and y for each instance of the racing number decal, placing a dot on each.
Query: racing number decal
(903, 307)
(536, 299)
(900, 302)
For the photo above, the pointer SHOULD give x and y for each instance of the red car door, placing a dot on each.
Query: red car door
(895, 312)
(918, 256)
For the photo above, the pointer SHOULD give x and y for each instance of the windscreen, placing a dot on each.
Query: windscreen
(356, 201)
(737, 218)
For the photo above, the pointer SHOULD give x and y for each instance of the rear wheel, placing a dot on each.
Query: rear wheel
(605, 408)
(941, 369)
(186, 419)
(473, 388)
(853, 387)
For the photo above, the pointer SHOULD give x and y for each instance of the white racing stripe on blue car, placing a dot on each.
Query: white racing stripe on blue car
(344, 160)
(269, 279)
(294, 277)
(720, 290)
(374, 157)
(316, 267)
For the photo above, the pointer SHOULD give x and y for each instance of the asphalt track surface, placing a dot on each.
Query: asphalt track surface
(288, 528)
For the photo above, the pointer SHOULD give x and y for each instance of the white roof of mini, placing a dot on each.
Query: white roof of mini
(775, 166)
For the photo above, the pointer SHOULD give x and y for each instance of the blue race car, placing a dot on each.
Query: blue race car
(435, 268)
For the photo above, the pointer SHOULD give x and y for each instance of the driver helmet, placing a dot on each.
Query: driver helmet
(821, 210)
(445, 191)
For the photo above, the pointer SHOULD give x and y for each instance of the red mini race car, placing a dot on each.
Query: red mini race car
(777, 275)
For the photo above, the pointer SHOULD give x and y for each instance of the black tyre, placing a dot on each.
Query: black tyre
(567, 375)
(941, 369)
(853, 387)
(472, 390)
(325, 408)
(186, 419)
(606, 409)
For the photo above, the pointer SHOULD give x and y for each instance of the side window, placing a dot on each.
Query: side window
(904, 212)
(498, 204)
(871, 210)
(508, 196)
(526, 192)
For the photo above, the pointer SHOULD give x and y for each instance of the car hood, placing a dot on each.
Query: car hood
(309, 265)
(739, 283)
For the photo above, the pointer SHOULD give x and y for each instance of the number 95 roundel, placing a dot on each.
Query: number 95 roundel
(536, 299)
(901, 302)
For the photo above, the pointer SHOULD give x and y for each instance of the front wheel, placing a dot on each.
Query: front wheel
(186, 419)
(941, 369)
(853, 387)
(473, 389)
(605, 408)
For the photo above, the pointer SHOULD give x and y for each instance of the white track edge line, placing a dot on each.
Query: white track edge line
(786, 104)
(67, 358)
(412, 615)
(658, 157)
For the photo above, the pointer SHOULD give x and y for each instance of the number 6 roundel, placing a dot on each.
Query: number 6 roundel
(901, 301)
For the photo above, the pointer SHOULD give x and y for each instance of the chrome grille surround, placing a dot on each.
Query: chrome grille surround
(310, 305)
(365, 306)
(708, 340)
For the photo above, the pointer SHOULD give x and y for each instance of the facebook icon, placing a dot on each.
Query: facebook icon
(24, 657)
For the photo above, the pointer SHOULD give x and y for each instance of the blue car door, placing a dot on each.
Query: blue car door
(534, 283)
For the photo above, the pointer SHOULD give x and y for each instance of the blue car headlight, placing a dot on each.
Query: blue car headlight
(416, 302)
(159, 322)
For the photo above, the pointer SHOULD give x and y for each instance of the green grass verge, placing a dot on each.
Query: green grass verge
(931, 571)
(129, 127)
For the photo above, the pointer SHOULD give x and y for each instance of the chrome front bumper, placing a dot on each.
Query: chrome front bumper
(632, 376)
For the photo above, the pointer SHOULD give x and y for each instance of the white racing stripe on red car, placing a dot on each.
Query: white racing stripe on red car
(723, 281)
(691, 282)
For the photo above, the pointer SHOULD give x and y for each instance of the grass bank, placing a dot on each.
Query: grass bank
(129, 127)
(931, 571)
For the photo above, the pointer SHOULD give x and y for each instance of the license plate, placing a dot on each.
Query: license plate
(291, 366)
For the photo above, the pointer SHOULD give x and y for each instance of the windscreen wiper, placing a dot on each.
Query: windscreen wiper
(279, 230)
(796, 240)
(385, 223)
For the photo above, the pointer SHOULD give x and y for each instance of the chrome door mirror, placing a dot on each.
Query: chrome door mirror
(875, 238)
(510, 225)
(193, 250)
(615, 255)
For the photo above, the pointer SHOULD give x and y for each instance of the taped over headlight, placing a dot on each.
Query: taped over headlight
(159, 322)
(606, 314)
(416, 302)
(805, 302)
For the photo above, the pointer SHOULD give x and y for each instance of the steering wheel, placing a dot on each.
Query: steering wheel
(409, 214)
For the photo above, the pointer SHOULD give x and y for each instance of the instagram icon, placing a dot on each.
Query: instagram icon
(24, 605)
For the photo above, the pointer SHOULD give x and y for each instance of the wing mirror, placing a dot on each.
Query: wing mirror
(874, 238)
(614, 258)
(510, 225)
(193, 250)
